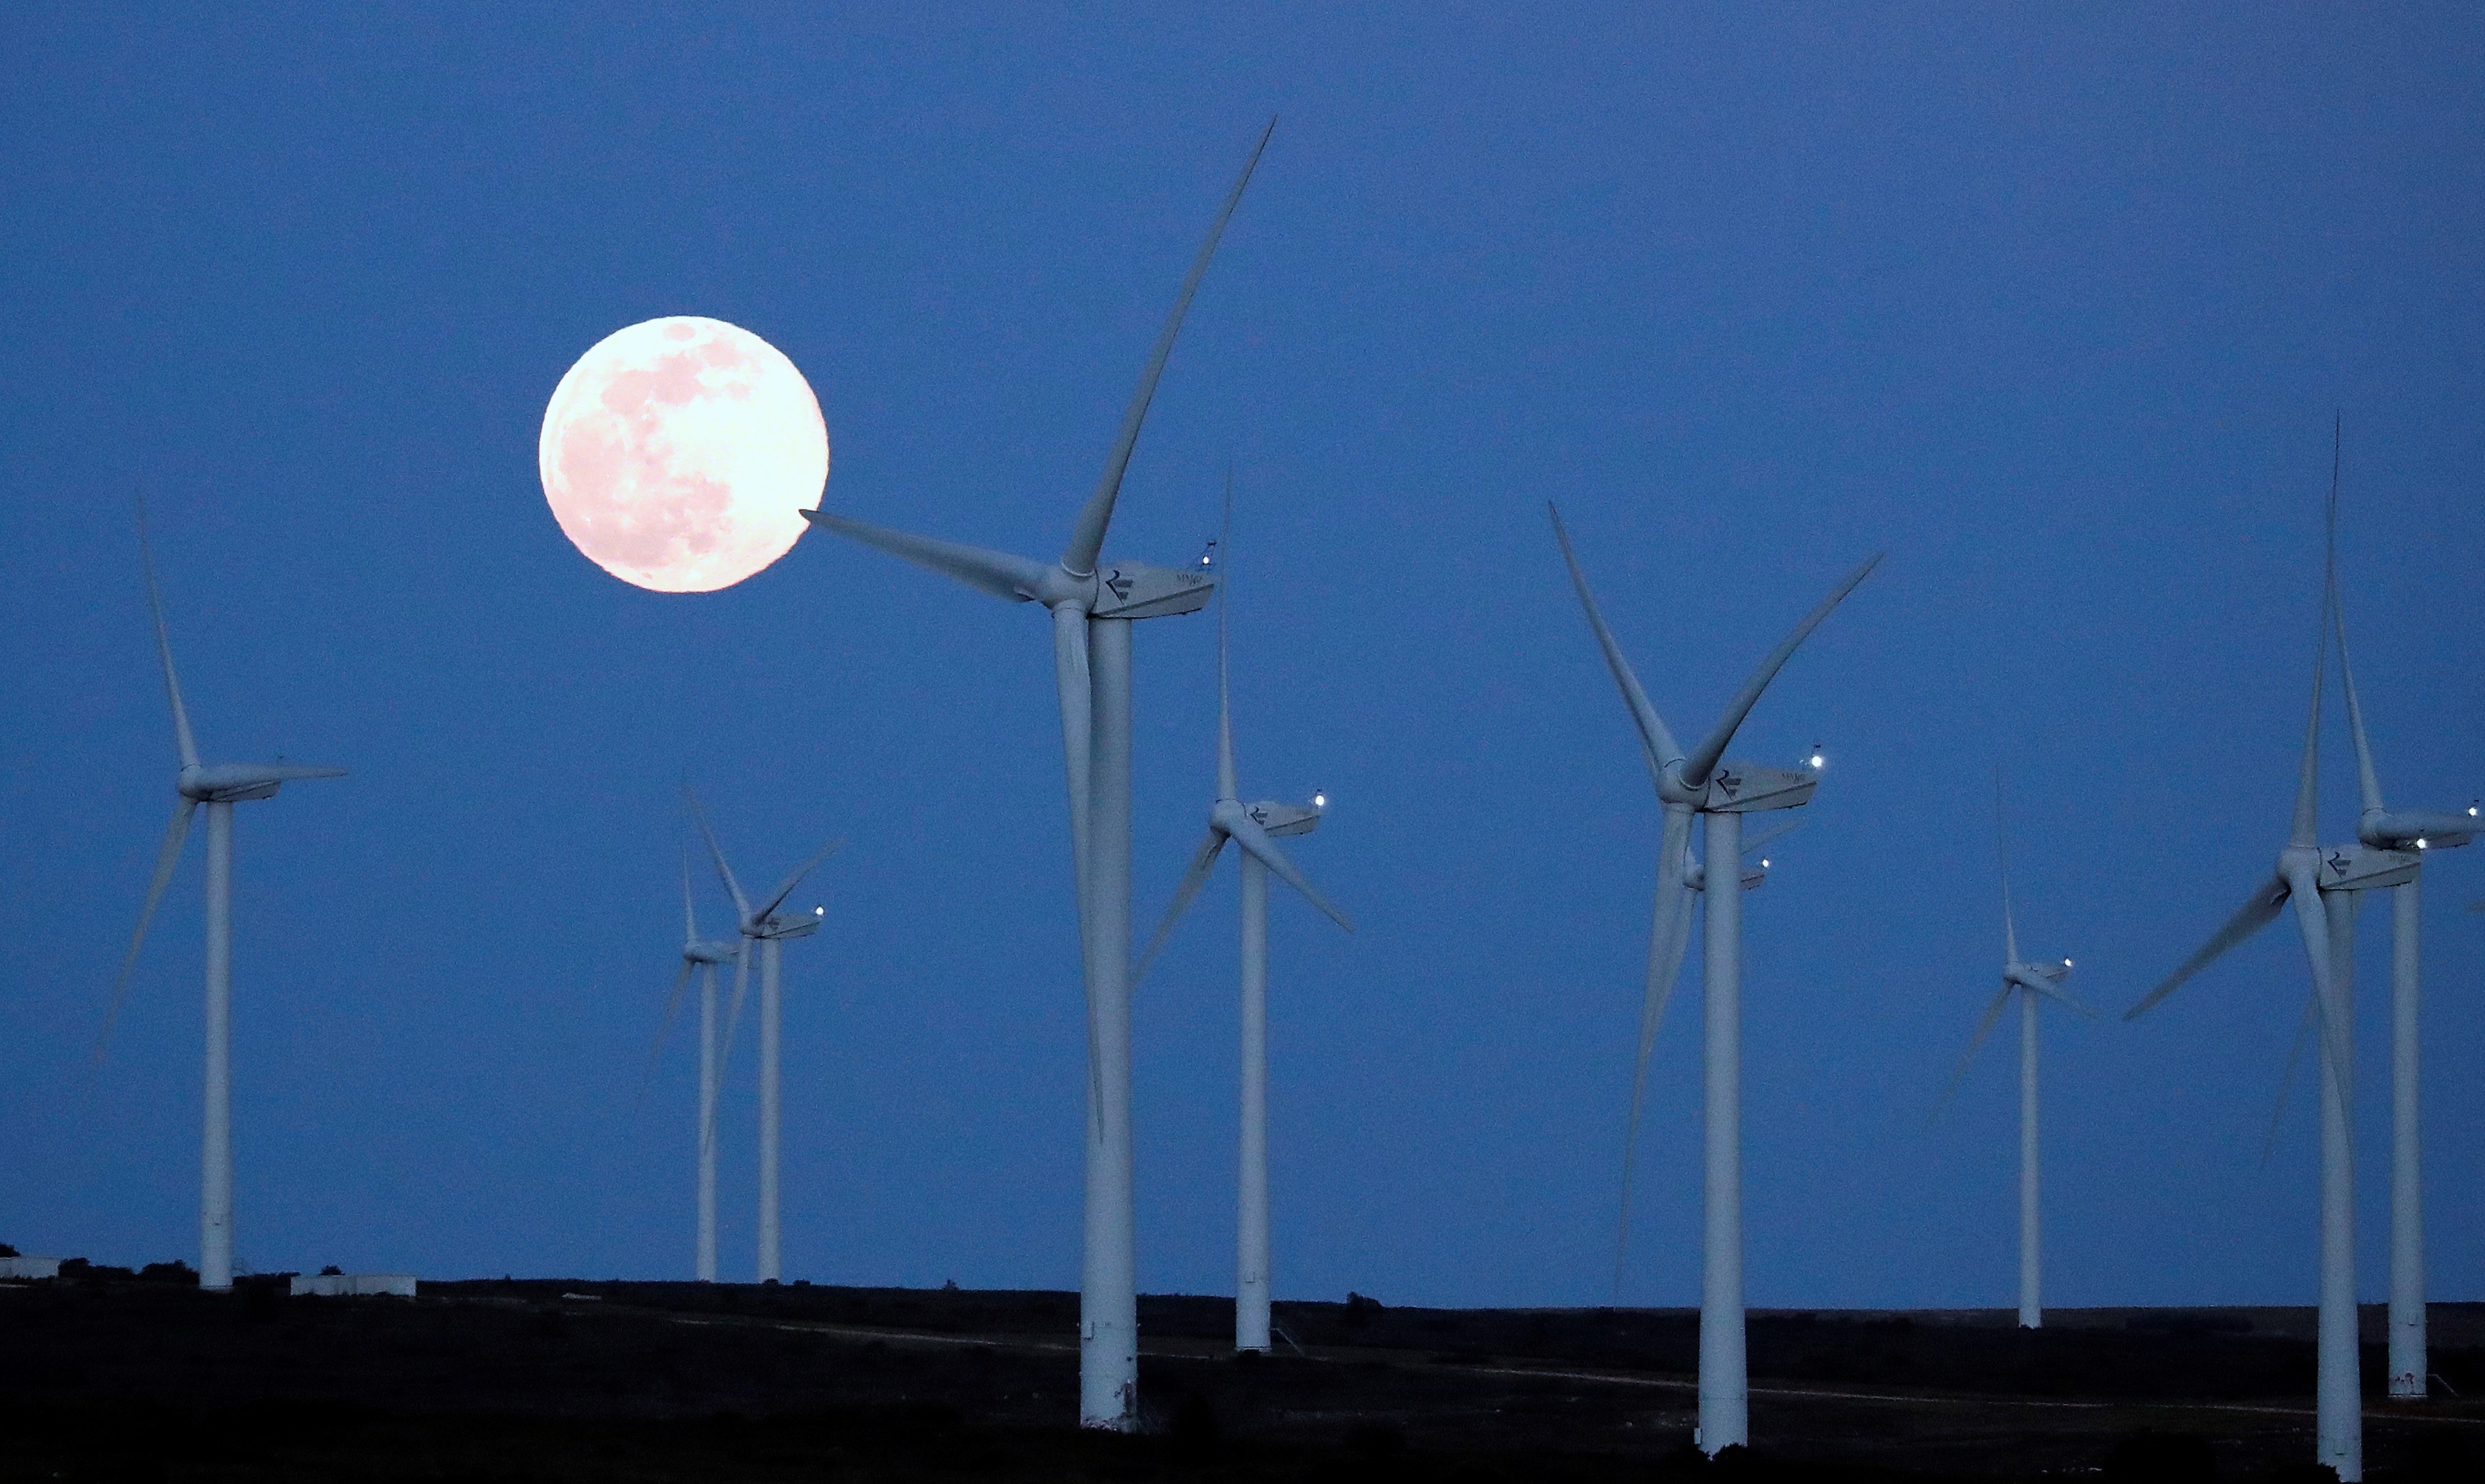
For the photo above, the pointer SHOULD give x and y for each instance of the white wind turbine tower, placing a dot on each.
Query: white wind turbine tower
(2029, 981)
(1093, 605)
(2382, 828)
(1662, 975)
(219, 786)
(1252, 827)
(703, 956)
(765, 928)
(2320, 885)
(1702, 782)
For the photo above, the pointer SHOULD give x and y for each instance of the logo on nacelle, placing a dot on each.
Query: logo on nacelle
(2363, 869)
(1749, 788)
(1129, 590)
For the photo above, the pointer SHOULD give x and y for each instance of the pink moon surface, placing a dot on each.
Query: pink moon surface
(677, 451)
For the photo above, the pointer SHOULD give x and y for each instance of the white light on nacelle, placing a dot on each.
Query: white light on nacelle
(1320, 801)
(2066, 963)
(1816, 761)
(1764, 863)
(2420, 843)
(819, 912)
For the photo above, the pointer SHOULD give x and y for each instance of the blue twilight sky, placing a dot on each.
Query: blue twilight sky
(2055, 310)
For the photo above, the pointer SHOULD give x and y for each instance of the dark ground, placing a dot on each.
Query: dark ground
(108, 1378)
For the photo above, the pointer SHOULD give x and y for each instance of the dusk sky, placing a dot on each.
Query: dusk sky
(2058, 312)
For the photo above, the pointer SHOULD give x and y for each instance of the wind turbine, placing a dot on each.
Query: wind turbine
(2029, 981)
(1093, 605)
(2398, 832)
(219, 786)
(2319, 884)
(701, 955)
(764, 928)
(1703, 782)
(1253, 828)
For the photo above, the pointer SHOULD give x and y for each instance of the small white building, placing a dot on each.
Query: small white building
(30, 1267)
(340, 1285)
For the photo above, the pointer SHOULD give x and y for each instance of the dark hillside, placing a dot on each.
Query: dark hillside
(116, 1377)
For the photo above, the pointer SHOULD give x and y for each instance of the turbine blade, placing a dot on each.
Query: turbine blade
(2002, 851)
(1087, 537)
(2315, 924)
(2286, 1078)
(1226, 788)
(1251, 838)
(1983, 1027)
(664, 1028)
(2368, 781)
(1696, 767)
(787, 889)
(167, 857)
(2253, 915)
(181, 737)
(732, 887)
(1668, 935)
(996, 572)
(1076, 693)
(2306, 830)
(1202, 862)
(690, 914)
(1653, 739)
(733, 1012)
(1076, 687)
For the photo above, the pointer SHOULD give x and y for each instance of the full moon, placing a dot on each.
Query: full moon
(677, 454)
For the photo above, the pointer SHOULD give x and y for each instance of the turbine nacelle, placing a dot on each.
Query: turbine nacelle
(2400, 830)
(238, 782)
(779, 927)
(1134, 590)
(1278, 818)
(2363, 868)
(710, 953)
(2042, 979)
(1750, 788)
